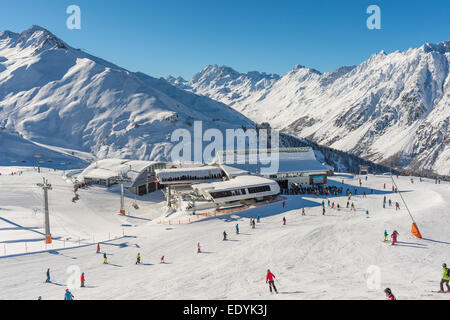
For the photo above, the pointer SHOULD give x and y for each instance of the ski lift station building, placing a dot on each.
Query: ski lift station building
(295, 165)
(138, 175)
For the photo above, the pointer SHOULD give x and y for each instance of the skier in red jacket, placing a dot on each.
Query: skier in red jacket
(270, 278)
(82, 279)
(389, 295)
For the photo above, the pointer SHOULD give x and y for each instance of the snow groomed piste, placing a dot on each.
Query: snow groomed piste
(318, 255)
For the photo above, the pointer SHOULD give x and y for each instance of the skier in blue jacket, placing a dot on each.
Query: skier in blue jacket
(68, 295)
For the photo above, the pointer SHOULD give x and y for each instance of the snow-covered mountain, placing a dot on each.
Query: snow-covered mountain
(228, 86)
(56, 95)
(391, 109)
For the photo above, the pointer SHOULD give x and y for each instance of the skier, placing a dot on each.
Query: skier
(284, 221)
(338, 207)
(385, 235)
(270, 279)
(390, 202)
(224, 236)
(384, 205)
(367, 213)
(198, 248)
(323, 204)
(394, 237)
(353, 207)
(48, 276)
(257, 219)
(384, 199)
(98, 247)
(138, 258)
(332, 205)
(68, 295)
(162, 260)
(328, 202)
(348, 204)
(397, 206)
(323, 211)
(237, 228)
(253, 224)
(82, 280)
(105, 259)
(389, 295)
(303, 211)
(445, 278)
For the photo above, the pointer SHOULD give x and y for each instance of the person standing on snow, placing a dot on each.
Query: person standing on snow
(445, 278)
(257, 219)
(253, 224)
(303, 211)
(270, 279)
(105, 259)
(68, 295)
(353, 207)
(323, 211)
(397, 206)
(48, 276)
(394, 237)
(237, 228)
(224, 236)
(284, 221)
(389, 295)
(162, 260)
(385, 235)
(138, 258)
(82, 279)
(367, 213)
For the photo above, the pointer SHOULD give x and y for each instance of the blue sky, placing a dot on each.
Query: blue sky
(180, 37)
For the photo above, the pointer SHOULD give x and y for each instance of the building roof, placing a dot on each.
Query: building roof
(237, 182)
(198, 172)
(115, 168)
(289, 160)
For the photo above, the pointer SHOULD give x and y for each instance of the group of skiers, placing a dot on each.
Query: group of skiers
(394, 236)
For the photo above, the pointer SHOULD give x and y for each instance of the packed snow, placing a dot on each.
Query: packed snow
(312, 256)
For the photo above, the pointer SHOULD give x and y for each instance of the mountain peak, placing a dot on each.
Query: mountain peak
(40, 38)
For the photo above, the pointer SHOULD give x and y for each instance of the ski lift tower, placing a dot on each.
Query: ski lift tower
(46, 186)
(38, 156)
(122, 180)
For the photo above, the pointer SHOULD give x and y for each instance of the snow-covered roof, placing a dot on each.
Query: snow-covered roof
(289, 160)
(197, 172)
(115, 168)
(237, 182)
(232, 171)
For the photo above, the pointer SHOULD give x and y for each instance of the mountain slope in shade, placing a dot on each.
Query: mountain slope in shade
(393, 109)
(60, 96)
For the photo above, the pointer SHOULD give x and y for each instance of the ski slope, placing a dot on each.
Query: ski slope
(313, 256)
